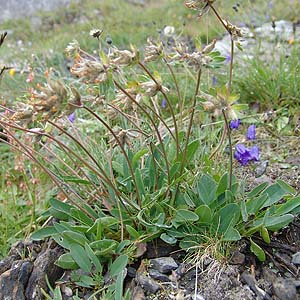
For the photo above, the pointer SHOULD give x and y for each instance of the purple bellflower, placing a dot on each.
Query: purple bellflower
(234, 124)
(164, 103)
(251, 132)
(244, 155)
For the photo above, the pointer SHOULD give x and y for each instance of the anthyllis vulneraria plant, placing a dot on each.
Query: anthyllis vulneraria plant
(135, 178)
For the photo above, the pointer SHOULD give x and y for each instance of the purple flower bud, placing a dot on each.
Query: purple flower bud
(72, 117)
(251, 132)
(164, 103)
(234, 124)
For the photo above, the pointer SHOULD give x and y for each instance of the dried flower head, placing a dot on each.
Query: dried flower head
(202, 6)
(196, 59)
(72, 49)
(49, 101)
(124, 136)
(124, 57)
(91, 71)
(151, 88)
(218, 102)
(235, 32)
(23, 114)
(96, 33)
(124, 102)
(153, 50)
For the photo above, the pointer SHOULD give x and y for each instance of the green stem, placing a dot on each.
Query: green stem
(230, 148)
(169, 105)
(190, 122)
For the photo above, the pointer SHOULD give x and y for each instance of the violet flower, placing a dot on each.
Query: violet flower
(234, 124)
(251, 132)
(72, 117)
(245, 155)
(164, 103)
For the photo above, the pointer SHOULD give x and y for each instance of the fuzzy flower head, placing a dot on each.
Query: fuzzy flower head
(96, 33)
(91, 71)
(72, 49)
(235, 32)
(245, 155)
(49, 100)
(151, 88)
(218, 101)
(124, 57)
(153, 51)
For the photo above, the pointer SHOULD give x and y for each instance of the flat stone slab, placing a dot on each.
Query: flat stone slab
(14, 9)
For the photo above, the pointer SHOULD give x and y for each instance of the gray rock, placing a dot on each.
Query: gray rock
(284, 289)
(147, 283)
(14, 9)
(13, 281)
(158, 276)
(237, 258)
(296, 258)
(282, 30)
(6, 263)
(163, 264)
(43, 265)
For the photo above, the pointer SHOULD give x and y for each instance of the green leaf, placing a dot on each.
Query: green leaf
(60, 206)
(184, 215)
(286, 187)
(257, 190)
(122, 245)
(57, 294)
(288, 206)
(191, 150)
(174, 170)
(223, 184)
(81, 258)
(104, 247)
(258, 251)
(140, 182)
(207, 188)
(118, 265)
(132, 232)
(81, 217)
(119, 286)
(92, 256)
(75, 237)
(204, 213)
(67, 262)
(229, 216)
(168, 239)
(253, 205)
(275, 223)
(231, 235)
(264, 233)
(275, 193)
(43, 233)
(137, 156)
